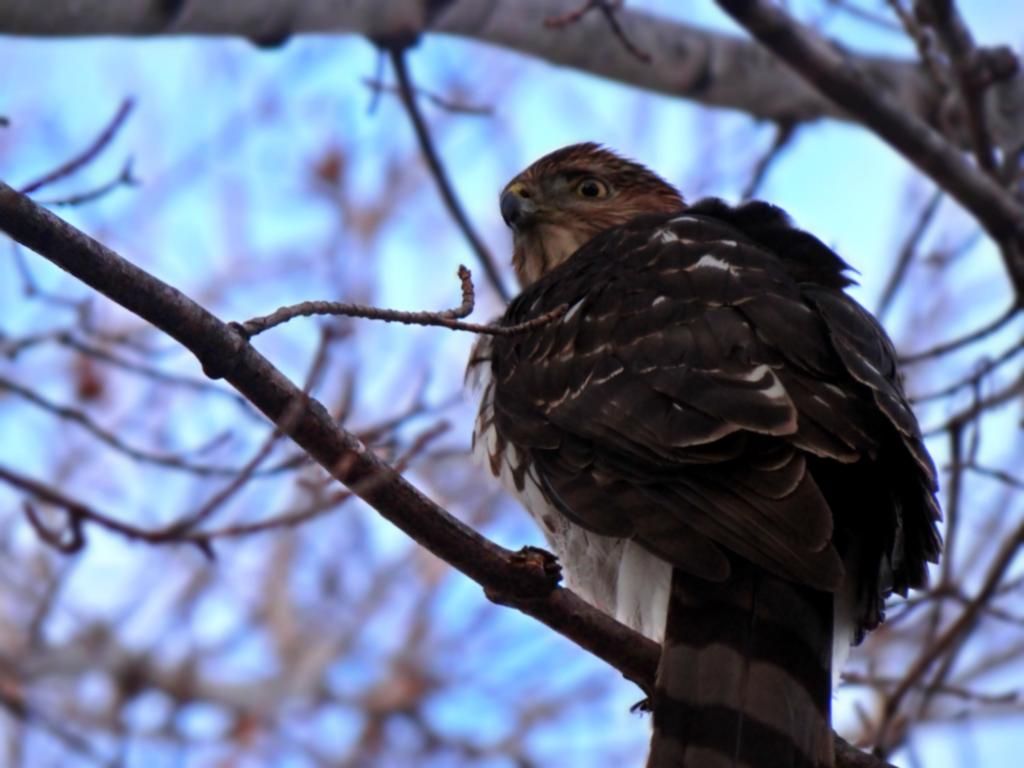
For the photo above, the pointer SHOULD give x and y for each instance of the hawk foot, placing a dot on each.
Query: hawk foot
(539, 561)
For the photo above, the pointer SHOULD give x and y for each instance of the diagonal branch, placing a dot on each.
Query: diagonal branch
(88, 154)
(225, 354)
(837, 77)
(907, 252)
(508, 578)
(444, 186)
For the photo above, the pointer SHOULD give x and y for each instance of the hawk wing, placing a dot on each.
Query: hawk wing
(712, 391)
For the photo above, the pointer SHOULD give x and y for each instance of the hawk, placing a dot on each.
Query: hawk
(715, 440)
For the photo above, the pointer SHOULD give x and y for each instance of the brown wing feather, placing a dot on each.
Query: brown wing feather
(704, 391)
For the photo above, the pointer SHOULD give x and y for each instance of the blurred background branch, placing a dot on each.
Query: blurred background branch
(180, 585)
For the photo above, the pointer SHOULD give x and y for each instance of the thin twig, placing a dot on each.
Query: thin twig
(985, 368)
(66, 338)
(31, 288)
(123, 179)
(76, 510)
(298, 517)
(218, 499)
(449, 318)
(1007, 394)
(71, 538)
(952, 636)
(924, 41)
(172, 461)
(441, 102)
(85, 156)
(907, 251)
(883, 683)
(996, 474)
(863, 14)
(784, 133)
(970, 338)
(408, 96)
(608, 9)
(952, 507)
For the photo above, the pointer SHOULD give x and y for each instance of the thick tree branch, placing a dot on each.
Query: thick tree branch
(834, 75)
(507, 577)
(963, 55)
(685, 60)
(223, 353)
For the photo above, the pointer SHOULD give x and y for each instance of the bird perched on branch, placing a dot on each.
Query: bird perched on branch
(714, 438)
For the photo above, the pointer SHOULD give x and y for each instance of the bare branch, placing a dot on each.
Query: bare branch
(87, 155)
(836, 77)
(924, 41)
(969, 338)
(997, 474)
(125, 178)
(957, 40)
(405, 90)
(180, 527)
(83, 419)
(1000, 397)
(608, 9)
(687, 61)
(298, 517)
(784, 134)
(447, 319)
(441, 102)
(863, 14)
(950, 639)
(906, 254)
(881, 682)
(982, 370)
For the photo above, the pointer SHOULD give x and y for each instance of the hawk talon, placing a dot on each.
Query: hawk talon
(536, 559)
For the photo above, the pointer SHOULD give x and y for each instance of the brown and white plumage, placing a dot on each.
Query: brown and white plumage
(714, 438)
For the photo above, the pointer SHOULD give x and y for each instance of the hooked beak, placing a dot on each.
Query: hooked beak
(517, 209)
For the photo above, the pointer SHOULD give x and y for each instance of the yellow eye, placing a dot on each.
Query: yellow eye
(592, 188)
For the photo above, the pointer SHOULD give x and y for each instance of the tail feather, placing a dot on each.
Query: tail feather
(744, 679)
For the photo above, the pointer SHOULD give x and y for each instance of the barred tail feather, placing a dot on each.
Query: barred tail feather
(744, 679)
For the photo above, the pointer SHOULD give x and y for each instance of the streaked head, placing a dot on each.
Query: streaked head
(566, 197)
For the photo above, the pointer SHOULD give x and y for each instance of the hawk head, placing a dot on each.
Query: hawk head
(565, 198)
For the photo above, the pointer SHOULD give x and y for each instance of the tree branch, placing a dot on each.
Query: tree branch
(687, 61)
(88, 154)
(837, 77)
(449, 318)
(408, 95)
(508, 578)
(224, 353)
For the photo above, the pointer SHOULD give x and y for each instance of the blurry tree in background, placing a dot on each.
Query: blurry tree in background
(183, 584)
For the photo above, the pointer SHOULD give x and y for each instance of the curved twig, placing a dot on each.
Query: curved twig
(449, 318)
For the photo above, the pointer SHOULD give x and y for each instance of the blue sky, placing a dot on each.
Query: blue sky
(223, 136)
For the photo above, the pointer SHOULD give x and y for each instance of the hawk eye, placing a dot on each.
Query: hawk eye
(592, 188)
